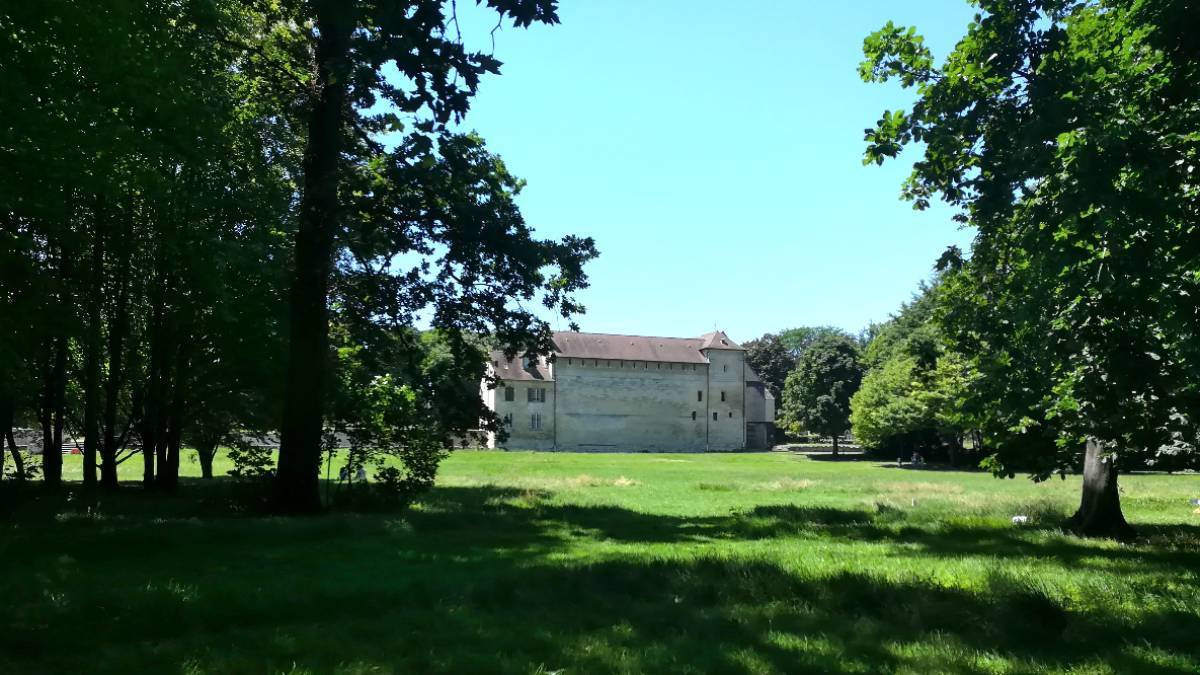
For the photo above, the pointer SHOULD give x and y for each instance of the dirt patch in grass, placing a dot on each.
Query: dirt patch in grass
(784, 485)
(924, 488)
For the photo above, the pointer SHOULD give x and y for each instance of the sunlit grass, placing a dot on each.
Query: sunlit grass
(538, 562)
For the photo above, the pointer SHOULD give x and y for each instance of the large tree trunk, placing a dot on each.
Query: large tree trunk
(1099, 513)
(206, 454)
(296, 484)
(835, 446)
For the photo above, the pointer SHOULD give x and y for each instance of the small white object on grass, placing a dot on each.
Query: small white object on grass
(1196, 502)
(1020, 520)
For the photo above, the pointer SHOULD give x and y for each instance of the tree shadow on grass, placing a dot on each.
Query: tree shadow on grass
(482, 579)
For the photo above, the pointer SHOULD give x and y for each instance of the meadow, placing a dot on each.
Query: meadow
(582, 563)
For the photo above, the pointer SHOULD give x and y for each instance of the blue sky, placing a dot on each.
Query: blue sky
(713, 150)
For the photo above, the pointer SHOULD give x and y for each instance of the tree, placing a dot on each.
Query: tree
(796, 340)
(817, 394)
(771, 360)
(915, 390)
(436, 195)
(1065, 133)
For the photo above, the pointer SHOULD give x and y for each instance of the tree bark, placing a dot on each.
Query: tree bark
(1099, 513)
(296, 484)
(835, 446)
(206, 455)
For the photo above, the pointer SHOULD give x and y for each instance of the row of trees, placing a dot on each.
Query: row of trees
(203, 234)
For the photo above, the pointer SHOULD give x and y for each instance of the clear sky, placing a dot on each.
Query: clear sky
(713, 150)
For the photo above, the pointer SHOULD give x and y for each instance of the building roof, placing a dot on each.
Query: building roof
(512, 370)
(570, 344)
(719, 340)
(628, 347)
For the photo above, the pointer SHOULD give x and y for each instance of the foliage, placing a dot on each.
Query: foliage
(251, 461)
(816, 396)
(771, 360)
(797, 340)
(916, 392)
(1065, 132)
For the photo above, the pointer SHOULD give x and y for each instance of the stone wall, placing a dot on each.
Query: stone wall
(631, 405)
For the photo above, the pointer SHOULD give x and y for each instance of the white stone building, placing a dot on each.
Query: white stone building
(599, 392)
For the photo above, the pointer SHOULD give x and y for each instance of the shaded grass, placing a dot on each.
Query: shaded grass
(523, 562)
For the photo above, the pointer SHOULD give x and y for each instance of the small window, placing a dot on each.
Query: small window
(714, 417)
(508, 420)
(510, 394)
(725, 368)
(537, 394)
(535, 421)
(693, 415)
(731, 415)
(722, 396)
(699, 396)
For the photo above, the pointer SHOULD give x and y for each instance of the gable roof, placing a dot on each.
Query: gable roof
(719, 340)
(628, 347)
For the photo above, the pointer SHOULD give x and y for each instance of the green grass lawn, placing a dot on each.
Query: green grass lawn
(580, 563)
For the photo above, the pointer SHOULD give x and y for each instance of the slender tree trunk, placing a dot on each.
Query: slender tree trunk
(168, 470)
(51, 442)
(60, 392)
(7, 413)
(152, 401)
(18, 460)
(1099, 513)
(835, 446)
(91, 358)
(296, 484)
(118, 328)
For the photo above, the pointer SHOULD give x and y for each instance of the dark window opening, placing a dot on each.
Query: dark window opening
(510, 394)
(714, 417)
(699, 396)
(722, 396)
(693, 415)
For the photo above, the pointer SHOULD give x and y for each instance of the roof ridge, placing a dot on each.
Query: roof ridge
(649, 337)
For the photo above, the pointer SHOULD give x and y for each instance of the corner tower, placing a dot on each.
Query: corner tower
(726, 409)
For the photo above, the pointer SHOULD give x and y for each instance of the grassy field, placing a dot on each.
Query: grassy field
(528, 563)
